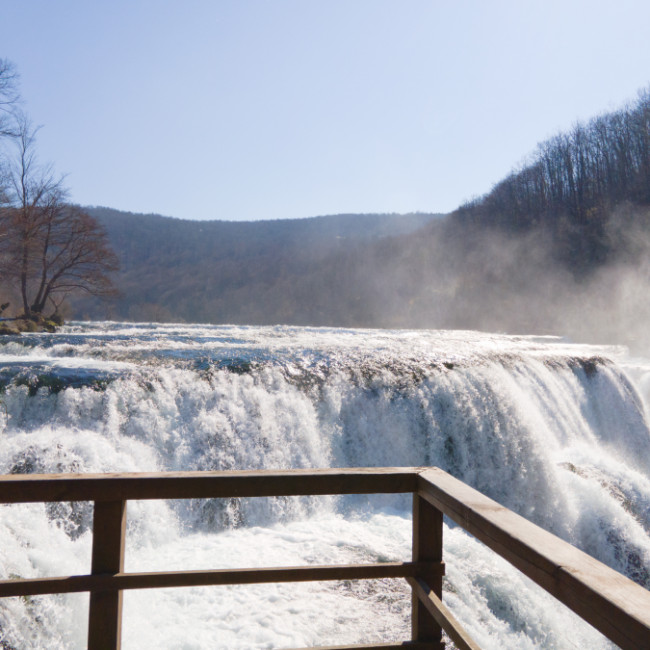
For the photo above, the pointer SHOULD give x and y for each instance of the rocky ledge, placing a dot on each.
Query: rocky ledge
(15, 326)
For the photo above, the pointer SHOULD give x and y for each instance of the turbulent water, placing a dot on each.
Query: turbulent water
(557, 432)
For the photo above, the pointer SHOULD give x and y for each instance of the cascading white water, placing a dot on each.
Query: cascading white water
(556, 432)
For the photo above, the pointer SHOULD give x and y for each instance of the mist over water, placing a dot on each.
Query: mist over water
(517, 281)
(558, 432)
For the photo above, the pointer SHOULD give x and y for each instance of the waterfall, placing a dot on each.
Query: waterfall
(557, 432)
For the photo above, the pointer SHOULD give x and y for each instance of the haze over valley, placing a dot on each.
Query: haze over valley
(560, 246)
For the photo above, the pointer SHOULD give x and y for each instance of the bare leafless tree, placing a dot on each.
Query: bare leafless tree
(50, 249)
(74, 256)
(9, 100)
(9, 96)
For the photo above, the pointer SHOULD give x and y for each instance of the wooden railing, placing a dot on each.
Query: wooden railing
(613, 604)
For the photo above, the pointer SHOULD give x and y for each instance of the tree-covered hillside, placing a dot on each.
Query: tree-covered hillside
(562, 245)
(239, 272)
(571, 186)
(559, 246)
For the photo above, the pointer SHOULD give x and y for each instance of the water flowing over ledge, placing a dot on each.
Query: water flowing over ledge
(556, 432)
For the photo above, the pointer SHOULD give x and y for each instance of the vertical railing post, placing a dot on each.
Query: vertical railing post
(105, 617)
(427, 547)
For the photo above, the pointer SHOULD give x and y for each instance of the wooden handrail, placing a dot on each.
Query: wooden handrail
(612, 603)
(158, 579)
(606, 599)
(26, 488)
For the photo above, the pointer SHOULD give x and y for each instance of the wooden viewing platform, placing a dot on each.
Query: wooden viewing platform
(609, 601)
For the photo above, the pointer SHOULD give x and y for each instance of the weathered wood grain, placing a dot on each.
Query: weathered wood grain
(609, 601)
(105, 615)
(26, 488)
(158, 579)
(442, 615)
(426, 547)
(406, 645)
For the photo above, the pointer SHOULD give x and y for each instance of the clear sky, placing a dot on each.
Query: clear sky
(264, 109)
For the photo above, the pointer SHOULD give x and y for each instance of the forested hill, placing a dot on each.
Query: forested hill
(562, 246)
(572, 189)
(239, 272)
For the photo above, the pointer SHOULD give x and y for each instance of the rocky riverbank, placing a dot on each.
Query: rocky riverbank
(16, 326)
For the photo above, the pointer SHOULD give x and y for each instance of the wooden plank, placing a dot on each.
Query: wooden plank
(609, 601)
(427, 547)
(105, 616)
(409, 645)
(443, 615)
(612, 603)
(26, 488)
(153, 580)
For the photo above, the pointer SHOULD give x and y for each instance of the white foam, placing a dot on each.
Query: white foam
(555, 431)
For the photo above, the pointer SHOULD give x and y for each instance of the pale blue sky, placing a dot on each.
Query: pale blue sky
(263, 109)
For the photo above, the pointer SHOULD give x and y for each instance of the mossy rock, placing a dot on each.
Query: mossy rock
(35, 323)
(56, 318)
(8, 330)
(28, 326)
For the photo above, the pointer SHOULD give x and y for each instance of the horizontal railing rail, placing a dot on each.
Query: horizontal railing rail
(606, 599)
(612, 603)
(26, 488)
(159, 579)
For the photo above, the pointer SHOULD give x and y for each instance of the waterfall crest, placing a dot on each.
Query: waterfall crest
(556, 432)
